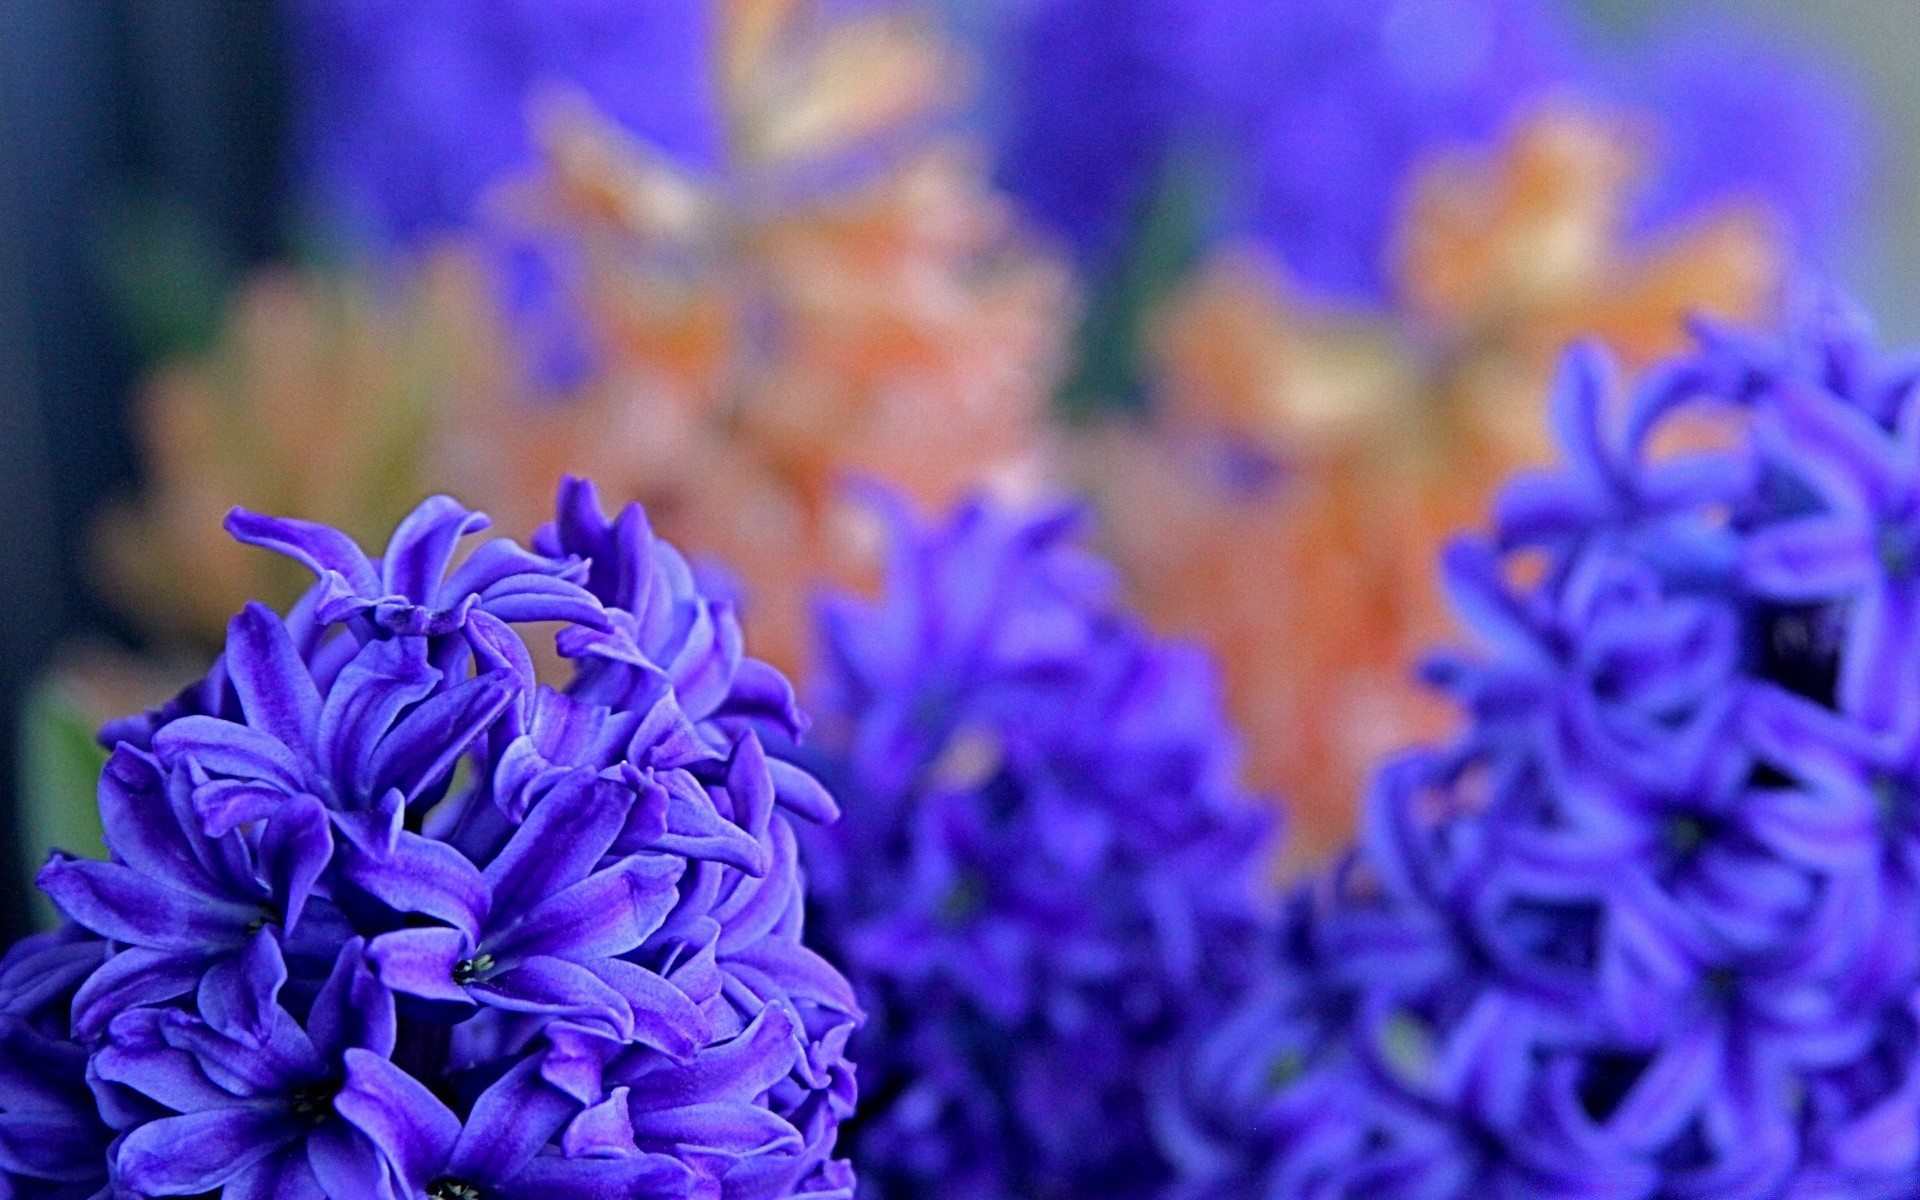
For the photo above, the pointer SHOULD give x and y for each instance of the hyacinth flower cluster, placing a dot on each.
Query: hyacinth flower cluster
(1046, 871)
(1648, 926)
(386, 917)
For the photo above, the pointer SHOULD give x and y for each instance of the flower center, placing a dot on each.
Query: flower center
(1685, 834)
(1894, 798)
(447, 1188)
(314, 1102)
(963, 898)
(269, 915)
(1898, 547)
(472, 970)
(1285, 1067)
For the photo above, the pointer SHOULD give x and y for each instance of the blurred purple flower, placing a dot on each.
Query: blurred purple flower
(406, 112)
(1749, 112)
(1648, 926)
(1315, 116)
(1045, 873)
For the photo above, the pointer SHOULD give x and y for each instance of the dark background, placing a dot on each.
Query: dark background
(113, 115)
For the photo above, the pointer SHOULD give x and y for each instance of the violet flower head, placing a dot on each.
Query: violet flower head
(1045, 873)
(1361, 95)
(387, 917)
(1745, 113)
(52, 1141)
(1309, 121)
(1315, 112)
(407, 111)
(1648, 926)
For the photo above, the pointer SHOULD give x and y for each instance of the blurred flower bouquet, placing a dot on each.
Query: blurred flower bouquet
(396, 901)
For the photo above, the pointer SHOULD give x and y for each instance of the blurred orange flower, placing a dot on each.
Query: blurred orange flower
(317, 400)
(1287, 502)
(835, 306)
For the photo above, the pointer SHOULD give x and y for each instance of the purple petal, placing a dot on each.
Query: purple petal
(140, 825)
(420, 876)
(1880, 671)
(577, 1056)
(118, 903)
(734, 1072)
(749, 786)
(224, 805)
(761, 693)
(129, 979)
(795, 972)
(422, 545)
(643, 1177)
(51, 1146)
(420, 962)
(696, 829)
(240, 995)
(509, 1124)
(347, 1163)
(318, 547)
(1700, 478)
(284, 1177)
(664, 1017)
(801, 794)
(502, 559)
(353, 1010)
(727, 1128)
(368, 695)
(608, 913)
(403, 1119)
(756, 906)
(136, 1055)
(1479, 596)
(602, 1131)
(667, 738)
(1809, 558)
(1855, 464)
(295, 849)
(197, 1152)
(420, 751)
(225, 748)
(560, 841)
(496, 647)
(539, 984)
(521, 598)
(246, 1066)
(276, 691)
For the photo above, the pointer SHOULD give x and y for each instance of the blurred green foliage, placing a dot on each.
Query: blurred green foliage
(59, 776)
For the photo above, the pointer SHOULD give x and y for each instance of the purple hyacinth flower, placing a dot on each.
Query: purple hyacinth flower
(1045, 871)
(387, 917)
(1751, 114)
(173, 899)
(406, 112)
(264, 1104)
(1648, 925)
(52, 1141)
(544, 925)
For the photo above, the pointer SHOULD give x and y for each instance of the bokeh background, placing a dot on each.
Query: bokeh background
(310, 256)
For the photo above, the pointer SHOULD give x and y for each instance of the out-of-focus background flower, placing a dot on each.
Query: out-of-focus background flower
(1274, 285)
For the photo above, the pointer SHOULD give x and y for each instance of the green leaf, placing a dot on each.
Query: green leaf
(59, 778)
(169, 276)
(1168, 236)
